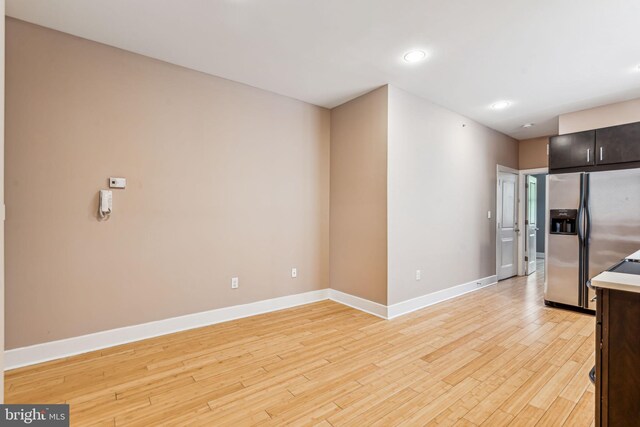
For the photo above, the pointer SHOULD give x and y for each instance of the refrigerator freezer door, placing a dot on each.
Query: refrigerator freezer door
(562, 266)
(614, 205)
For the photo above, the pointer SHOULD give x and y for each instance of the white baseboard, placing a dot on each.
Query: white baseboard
(358, 303)
(44, 352)
(414, 304)
(405, 307)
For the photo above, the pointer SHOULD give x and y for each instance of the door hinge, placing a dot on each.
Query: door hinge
(526, 258)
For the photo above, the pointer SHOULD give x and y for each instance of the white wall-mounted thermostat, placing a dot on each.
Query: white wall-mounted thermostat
(117, 182)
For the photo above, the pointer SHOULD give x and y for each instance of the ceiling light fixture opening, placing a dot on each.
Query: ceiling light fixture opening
(414, 56)
(500, 105)
(528, 125)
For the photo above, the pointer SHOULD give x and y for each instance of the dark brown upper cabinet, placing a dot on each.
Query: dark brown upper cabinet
(618, 144)
(572, 150)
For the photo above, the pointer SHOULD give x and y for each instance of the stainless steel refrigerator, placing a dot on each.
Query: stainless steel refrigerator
(593, 221)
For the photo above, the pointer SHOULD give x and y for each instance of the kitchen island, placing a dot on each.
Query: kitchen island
(617, 370)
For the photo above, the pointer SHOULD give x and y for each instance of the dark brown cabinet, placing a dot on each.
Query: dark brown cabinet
(618, 144)
(572, 150)
(617, 372)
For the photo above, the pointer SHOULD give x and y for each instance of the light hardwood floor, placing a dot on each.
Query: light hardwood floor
(489, 358)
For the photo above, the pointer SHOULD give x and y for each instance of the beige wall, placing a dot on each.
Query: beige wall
(222, 180)
(2, 62)
(441, 183)
(532, 153)
(359, 196)
(600, 117)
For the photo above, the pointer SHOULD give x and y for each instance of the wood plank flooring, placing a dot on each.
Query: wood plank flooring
(493, 357)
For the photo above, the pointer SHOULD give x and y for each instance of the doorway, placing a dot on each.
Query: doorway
(535, 219)
(507, 223)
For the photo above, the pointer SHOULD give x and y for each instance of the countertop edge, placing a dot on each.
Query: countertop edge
(617, 281)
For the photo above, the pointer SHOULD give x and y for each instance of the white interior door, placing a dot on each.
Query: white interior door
(531, 223)
(507, 225)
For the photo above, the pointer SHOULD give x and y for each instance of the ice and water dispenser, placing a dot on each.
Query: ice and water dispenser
(563, 221)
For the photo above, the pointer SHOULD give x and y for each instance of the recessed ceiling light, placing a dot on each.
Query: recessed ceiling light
(415, 56)
(500, 105)
(528, 125)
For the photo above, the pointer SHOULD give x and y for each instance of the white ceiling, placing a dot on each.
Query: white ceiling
(547, 56)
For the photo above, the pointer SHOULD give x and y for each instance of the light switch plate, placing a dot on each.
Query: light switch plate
(235, 282)
(117, 182)
(294, 272)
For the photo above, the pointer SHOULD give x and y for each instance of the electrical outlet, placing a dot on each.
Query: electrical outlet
(294, 272)
(418, 274)
(235, 283)
(488, 214)
(478, 284)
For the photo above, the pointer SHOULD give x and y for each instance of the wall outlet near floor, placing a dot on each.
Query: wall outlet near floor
(478, 284)
(418, 274)
(294, 272)
(235, 283)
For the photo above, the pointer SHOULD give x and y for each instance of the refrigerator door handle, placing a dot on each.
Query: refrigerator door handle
(585, 246)
(581, 241)
(587, 209)
(580, 213)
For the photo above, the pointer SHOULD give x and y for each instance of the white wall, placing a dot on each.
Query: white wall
(441, 183)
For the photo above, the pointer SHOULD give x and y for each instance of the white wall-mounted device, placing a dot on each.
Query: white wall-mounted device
(105, 204)
(117, 182)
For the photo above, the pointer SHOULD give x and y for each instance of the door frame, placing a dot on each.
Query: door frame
(522, 206)
(500, 168)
